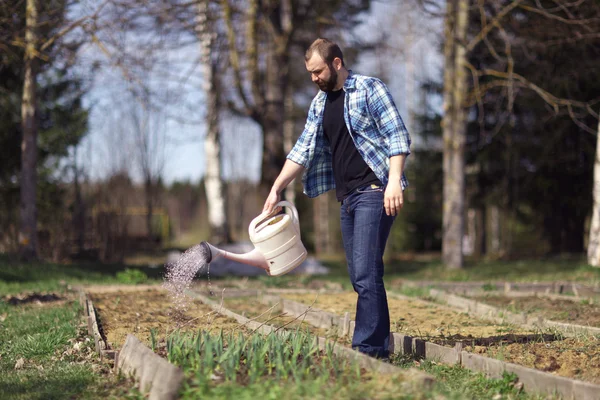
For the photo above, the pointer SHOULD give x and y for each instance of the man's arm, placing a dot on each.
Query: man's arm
(393, 200)
(388, 119)
(289, 171)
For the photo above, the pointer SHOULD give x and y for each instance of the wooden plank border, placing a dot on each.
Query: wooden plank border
(154, 376)
(551, 288)
(534, 381)
(486, 311)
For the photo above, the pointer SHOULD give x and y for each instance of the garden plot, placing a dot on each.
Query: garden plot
(575, 357)
(573, 311)
(150, 312)
(221, 358)
(252, 308)
(418, 319)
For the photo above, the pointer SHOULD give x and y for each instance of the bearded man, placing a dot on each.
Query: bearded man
(355, 142)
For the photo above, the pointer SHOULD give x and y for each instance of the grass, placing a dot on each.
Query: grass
(455, 382)
(18, 277)
(567, 268)
(44, 355)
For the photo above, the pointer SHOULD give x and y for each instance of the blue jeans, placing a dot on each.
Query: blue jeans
(365, 229)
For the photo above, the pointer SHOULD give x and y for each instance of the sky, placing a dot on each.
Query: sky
(110, 144)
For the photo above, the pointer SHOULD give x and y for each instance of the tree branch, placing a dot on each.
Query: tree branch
(508, 79)
(233, 55)
(495, 22)
(545, 13)
(72, 26)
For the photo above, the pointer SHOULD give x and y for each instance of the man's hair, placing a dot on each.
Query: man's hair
(327, 49)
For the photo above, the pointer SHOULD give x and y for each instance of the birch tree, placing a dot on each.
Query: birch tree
(213, 175)
(28, 225)
(593, 250)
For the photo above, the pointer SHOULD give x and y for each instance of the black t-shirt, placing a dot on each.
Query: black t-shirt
(349, 168)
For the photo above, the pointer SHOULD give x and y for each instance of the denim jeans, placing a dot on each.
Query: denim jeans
(365, 229)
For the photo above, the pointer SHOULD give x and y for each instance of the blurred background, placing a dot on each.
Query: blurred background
(131, 128)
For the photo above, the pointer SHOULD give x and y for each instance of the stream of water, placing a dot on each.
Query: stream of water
(180, 274)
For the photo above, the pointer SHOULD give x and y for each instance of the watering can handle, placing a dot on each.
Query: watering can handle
(291, 207)
(263, 216)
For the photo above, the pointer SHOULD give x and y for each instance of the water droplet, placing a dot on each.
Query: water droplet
(180, 274)
(210, 292)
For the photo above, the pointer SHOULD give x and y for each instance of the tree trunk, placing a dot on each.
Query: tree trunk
(454, 132)
(79, 209)
(273, 155)
(215, 193)
(494, 230)
(593, 251)
(28, 223)
(288, 141)
(480, 237)
(148, 187)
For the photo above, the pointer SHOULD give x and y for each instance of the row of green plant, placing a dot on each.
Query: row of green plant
(290, 365)
(292, 357)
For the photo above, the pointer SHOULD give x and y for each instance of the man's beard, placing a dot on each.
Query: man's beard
(329, 85)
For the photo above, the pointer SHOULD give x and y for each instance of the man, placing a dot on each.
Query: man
(354, 141)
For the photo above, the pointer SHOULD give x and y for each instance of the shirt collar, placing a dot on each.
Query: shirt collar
(350, 82)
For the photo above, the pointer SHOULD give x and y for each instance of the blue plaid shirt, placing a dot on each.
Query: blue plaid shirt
(374, 123)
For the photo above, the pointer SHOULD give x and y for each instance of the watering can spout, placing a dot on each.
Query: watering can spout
(254, 257)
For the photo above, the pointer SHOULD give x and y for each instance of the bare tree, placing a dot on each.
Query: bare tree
(34, 49)
(454, 131)
(458, 95)
(149, 137)
(268, 88)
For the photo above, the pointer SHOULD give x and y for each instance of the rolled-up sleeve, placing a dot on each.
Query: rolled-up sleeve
(301, 152)
(389, 122)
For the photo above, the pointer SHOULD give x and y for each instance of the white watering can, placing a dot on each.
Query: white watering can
(278, 248)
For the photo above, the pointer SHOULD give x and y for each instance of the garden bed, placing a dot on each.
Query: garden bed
(575, 357)
(223, 358)
(146, 312)
(573, 311)
(418, 319)
(253, 308)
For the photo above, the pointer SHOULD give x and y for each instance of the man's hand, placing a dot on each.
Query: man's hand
(273, 198)
(289, 171)
(393, 199)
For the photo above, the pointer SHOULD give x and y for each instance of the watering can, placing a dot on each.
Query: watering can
(278, 248)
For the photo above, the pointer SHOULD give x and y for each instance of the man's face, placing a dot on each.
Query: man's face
(324, 75)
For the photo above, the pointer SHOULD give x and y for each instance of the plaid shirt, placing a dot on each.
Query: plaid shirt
(375, 126)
